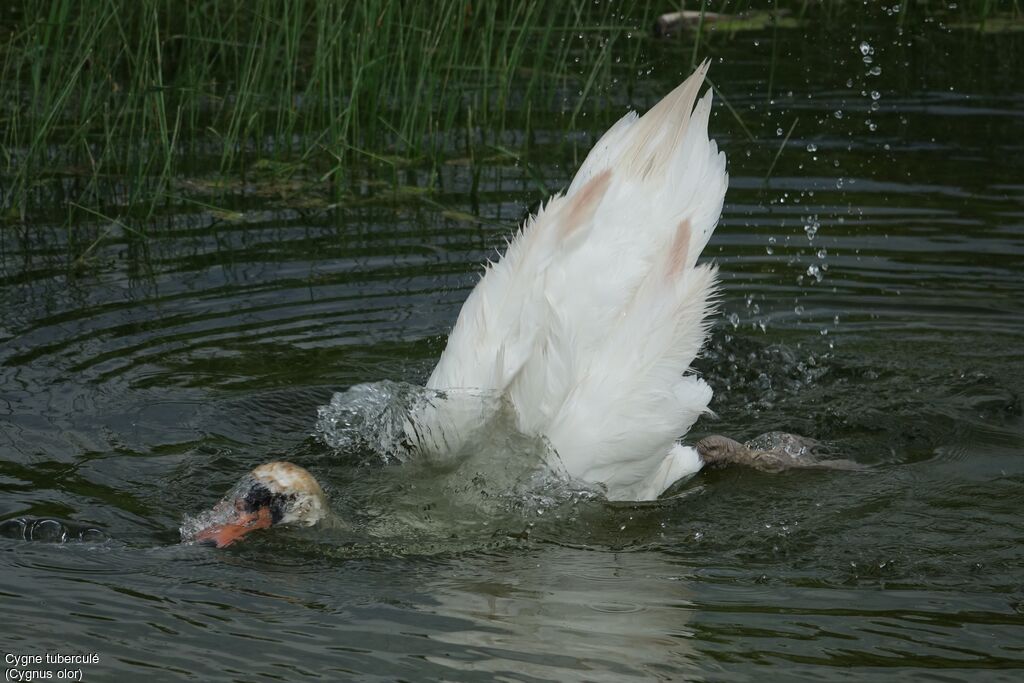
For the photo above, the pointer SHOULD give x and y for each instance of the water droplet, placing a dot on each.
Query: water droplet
(875, 94)
(838, 113)
(811, 147)
(865, 48)
(811, 227)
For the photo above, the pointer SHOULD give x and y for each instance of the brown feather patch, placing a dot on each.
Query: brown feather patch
(583, 205)
(680, 250)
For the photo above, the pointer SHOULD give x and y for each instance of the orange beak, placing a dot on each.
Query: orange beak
(223, 535)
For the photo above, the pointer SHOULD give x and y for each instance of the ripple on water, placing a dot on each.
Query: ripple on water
(871, 299)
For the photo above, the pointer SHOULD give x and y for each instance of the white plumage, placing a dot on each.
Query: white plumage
(589, 322)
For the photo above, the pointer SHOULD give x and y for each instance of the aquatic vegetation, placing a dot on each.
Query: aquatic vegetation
(112, 100)
(118, 112)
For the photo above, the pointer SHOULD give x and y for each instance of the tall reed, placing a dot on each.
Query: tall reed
(109, 101)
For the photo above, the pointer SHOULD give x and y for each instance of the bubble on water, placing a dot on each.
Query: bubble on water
(14, 529)
(48, 531)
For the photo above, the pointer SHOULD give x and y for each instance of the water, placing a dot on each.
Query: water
(872, 299)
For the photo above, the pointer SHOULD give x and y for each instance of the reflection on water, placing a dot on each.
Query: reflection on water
(873, 299)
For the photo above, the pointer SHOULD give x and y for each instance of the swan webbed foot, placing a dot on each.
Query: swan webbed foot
(771, 452)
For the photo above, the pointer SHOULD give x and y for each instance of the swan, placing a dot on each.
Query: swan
(587, 325)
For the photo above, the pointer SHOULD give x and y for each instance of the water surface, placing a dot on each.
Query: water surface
(872, 298)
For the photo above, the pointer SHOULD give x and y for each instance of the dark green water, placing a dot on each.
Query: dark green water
(873, 298)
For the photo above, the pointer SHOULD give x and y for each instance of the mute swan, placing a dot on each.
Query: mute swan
(587, 324)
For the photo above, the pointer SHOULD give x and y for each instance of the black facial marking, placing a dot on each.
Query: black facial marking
(259, 496)
(277, 506)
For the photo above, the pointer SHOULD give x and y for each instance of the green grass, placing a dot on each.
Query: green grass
(115, 110)
(108, 101)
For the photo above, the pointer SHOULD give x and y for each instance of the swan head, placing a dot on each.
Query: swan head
(273, 494)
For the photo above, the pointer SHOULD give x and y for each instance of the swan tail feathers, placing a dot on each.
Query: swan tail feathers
(590, 321)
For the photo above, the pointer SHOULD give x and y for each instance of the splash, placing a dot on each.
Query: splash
(221, 513)
(798, 448)
(401, 422)
(436, 465)
(461, 447)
